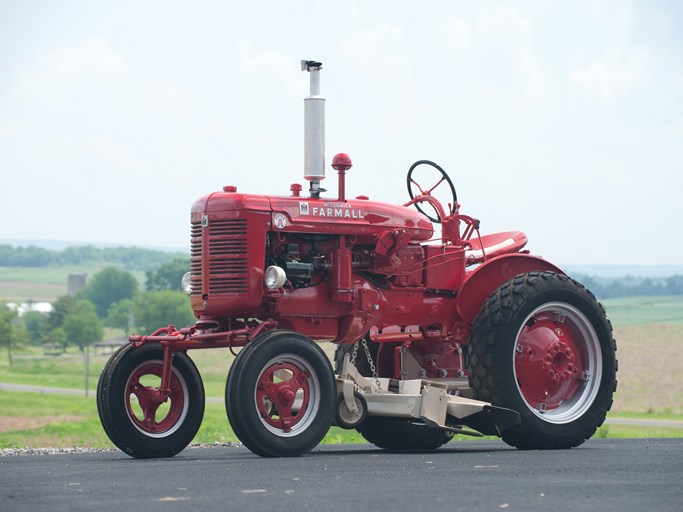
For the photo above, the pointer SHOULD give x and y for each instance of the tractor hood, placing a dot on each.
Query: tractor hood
(354, 217)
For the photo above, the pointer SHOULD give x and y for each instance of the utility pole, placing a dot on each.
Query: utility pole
(86, 364)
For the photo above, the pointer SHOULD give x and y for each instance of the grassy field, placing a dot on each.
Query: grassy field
(70, 421)
(649, 369)
(645, 310)
(20, 284)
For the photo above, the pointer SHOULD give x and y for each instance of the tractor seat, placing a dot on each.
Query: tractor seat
(494, 245)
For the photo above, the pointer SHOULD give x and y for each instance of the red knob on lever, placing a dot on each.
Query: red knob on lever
(341, 163)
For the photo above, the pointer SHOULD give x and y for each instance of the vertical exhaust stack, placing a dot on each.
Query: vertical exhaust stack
(314, 129)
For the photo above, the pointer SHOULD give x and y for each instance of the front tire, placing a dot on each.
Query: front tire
(132, 419)
(542, 345)
(281, 395)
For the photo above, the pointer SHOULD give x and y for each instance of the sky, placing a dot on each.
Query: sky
(560, 119)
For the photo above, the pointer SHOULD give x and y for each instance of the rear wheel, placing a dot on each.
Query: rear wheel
(281, 395)
(543, 346)
(391, 433)
(131, 411)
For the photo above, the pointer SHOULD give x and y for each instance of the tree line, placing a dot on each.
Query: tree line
(130, 258)
(630, 286)
(110, 298)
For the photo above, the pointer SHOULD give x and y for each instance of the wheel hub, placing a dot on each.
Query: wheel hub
(143, 400)
(559, 362)
(548, 361)
(276, 395)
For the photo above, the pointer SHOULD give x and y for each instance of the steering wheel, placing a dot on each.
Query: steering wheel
(428, 192)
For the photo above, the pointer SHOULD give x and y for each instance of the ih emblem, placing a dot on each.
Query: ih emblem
(303, 209)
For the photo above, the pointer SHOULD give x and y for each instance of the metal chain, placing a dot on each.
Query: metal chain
(354, 353)
(372, 364)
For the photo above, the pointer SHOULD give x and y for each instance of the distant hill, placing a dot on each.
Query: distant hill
(130, 258)
(60, 245)
(613, 271)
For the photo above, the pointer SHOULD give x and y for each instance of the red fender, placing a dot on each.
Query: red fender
(483, 280)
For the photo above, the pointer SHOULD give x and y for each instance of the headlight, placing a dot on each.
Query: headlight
(274, 277)
(186, 283)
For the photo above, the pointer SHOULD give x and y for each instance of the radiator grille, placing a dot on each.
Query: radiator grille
(227, 257)
(196, 259)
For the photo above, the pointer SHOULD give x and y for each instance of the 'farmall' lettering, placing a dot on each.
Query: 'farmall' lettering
(338, 213)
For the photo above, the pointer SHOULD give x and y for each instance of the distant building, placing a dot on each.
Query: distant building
(25, 307)
(109, 346)
(75, 283)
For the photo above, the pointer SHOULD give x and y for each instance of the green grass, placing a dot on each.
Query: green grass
(76, 423)
(67, 371)
(644, 310)
(612, 431)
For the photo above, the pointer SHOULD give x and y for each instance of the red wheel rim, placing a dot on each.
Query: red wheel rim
(557, 362)
(147, 411)
(287, 395)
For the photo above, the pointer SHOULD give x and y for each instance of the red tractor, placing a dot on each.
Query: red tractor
(458, 334)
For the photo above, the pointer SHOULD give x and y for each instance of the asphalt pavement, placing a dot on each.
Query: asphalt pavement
(601, 475)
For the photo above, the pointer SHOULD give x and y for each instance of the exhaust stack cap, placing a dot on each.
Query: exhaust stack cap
(314, 129)
(307, 65)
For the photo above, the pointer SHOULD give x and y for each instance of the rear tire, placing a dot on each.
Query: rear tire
(543, 346)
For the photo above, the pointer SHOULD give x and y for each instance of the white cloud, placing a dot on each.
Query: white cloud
(505, 22)
(165, 97)
(270, 69)
(678, 80)
(93, 58)
(70, 64)
(453, 35)
(535, 80)
(8, 128)
(616, 63)
(378, 59)
(611, 76)
(376, 49)
(515, 29)
(382, 72)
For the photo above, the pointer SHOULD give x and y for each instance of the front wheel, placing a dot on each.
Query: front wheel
(128, 402)
(281, 395)
(543, 346)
